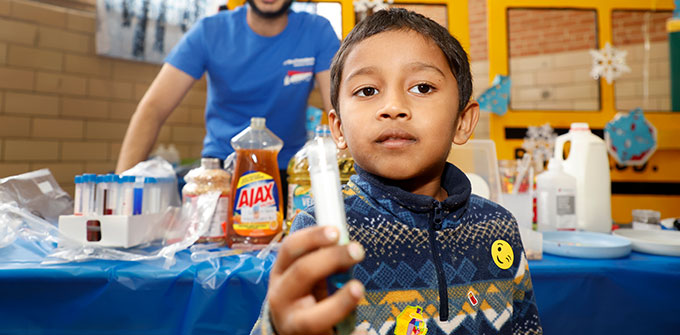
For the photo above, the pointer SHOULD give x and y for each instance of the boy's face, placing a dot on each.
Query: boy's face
(398, 102)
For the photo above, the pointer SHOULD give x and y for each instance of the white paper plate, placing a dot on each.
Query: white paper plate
(581, 244)
(658, 242)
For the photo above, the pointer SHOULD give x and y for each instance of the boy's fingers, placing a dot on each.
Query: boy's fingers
(302, 242)
(330, 311)
(308, 270)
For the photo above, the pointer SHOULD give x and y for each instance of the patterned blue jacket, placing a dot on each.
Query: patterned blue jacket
(459, 264)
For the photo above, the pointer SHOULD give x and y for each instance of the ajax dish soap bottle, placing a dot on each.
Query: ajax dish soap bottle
(255, 213)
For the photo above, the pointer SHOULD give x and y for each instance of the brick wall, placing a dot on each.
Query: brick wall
(546, 31)
(65, 108)
(630, 88)
(538, 32)
(558, 81)
(549, 59)
(627, 26)
(478, 30)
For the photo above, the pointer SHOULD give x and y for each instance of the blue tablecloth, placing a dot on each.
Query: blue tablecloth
(638, 294)
(114, 297)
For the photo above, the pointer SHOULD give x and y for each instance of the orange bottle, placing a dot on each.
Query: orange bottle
(256, 213)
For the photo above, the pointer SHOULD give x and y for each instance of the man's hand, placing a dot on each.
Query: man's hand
(297, 299)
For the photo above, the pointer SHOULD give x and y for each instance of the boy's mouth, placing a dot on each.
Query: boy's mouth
(395, 138)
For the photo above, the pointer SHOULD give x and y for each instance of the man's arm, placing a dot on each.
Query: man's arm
(323, 79)
(165, 93)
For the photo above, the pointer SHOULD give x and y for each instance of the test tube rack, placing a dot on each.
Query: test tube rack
(124, 231)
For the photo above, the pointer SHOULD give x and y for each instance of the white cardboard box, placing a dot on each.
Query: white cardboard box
(113, 230)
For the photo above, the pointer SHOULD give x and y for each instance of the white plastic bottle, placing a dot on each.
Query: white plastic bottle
(556, 199)
(588, 162)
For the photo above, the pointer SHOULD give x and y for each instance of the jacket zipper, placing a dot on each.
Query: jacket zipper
(436, 225)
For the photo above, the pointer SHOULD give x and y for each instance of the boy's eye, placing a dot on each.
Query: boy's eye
(421, 88)
(366, 92)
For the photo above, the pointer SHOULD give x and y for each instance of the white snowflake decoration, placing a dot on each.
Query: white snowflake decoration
(540, 142)
(609, 63)
(362, 6)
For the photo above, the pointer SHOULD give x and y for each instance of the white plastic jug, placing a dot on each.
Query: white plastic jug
(589, 164)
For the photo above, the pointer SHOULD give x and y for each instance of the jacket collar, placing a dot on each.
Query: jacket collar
(454, 181)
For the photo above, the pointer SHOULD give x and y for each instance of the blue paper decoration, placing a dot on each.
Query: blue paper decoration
(630, 138)
(676, 12)
(312, 120)
(495, 99)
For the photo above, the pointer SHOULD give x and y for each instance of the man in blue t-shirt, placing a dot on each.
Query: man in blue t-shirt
(261, 60)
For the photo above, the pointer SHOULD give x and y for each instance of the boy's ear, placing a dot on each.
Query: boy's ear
(335, 124)
(467, 121)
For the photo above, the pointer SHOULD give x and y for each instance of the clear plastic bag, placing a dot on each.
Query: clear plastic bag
(16, 222)
(34, 195)
(38, 192)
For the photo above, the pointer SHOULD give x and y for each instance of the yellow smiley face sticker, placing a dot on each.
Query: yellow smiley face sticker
(502, 254)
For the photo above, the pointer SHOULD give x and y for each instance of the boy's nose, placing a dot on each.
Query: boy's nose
(395, 108)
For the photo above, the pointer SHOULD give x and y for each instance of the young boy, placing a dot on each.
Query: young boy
(435, 258)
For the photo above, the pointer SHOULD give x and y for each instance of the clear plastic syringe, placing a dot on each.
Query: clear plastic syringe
(329, 208)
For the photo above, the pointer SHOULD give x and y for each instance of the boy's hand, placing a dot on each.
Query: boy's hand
(297, 299)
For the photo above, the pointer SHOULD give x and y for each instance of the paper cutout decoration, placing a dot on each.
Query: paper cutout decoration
(313, 119)
(540, 142)
(496, 98)
(410, 321)
(630, 138)
(609, 63)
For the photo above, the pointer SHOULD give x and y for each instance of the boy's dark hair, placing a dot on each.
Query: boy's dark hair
(402, 19)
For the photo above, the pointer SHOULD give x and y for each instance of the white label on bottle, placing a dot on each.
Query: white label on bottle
(566, 204)
(215, 229)
(291, 195)
(565, 208)
(258, 214)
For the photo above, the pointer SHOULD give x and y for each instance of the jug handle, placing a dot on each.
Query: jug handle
(559, 146)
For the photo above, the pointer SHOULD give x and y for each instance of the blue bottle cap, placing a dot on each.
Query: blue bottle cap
(78, 179)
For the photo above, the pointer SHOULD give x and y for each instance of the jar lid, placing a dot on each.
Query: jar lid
(210, 163)
(646, 216)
